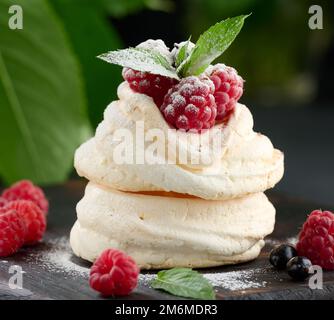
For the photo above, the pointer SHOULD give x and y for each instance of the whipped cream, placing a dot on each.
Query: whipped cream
(165, 230)
(248, 162)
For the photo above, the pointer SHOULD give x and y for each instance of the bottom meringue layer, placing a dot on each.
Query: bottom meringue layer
(165, 230)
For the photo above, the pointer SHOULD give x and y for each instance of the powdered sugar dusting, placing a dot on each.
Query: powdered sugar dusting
(232, 280)
(158, 46)
(146, 278)
(141, 60)
(169, 111)
(177, 99)
(274, 242)
(236, 280)
(59, 259)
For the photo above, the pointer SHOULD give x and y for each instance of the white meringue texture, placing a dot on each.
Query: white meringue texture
(248, 162)
(160, 231)
(167, 215)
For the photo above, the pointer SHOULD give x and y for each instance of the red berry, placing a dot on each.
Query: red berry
(316, 240)
(155, 86)
(32, 216)
(12, 232)
(26, 190)
(114, 273)
(3, 202)
(228, 89)
(190, 104)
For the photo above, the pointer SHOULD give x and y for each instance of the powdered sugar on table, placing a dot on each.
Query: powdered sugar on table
(59, 259)
(236, 280)
(232, 280)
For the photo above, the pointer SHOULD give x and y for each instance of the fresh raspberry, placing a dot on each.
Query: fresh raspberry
(25, 190)
(33, 217)
(12, 232)
(190, 105)
(228, 89)
(153, 85)
(316, 240)
(3, 202)
(114, 273)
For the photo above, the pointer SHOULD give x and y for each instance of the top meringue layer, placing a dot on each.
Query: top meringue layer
(246, 162)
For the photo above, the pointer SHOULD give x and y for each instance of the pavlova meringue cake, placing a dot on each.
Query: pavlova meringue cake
(162, 208)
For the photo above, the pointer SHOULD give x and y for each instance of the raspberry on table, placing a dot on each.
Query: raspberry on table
(114, 273)
(26, 190)
(33, 218)
(190, 104)
(316, 240)
(228, 89)
(12, 232)
(155, 86)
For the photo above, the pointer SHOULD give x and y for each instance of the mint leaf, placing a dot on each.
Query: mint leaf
(211, 44)
(142, 60)
(182, 54)
(184, 282)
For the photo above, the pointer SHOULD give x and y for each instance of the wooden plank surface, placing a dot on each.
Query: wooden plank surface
(52, 272)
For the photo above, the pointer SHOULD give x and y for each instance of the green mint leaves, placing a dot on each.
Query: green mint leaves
(182, 54)
(184, 282)
(211, 44)
(142, 60)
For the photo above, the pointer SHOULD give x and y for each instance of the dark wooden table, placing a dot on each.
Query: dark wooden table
(50, 271)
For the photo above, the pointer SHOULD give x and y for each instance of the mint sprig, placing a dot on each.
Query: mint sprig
(211, 44)
(182, 54)
(141, 60)
(184, 282)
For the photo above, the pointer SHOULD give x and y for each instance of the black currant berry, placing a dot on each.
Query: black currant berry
(280, 255)
(298, 268)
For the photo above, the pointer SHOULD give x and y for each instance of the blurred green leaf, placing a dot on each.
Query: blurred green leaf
(90, 34)
(43, 108)
(160, 5)
(121, 8)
